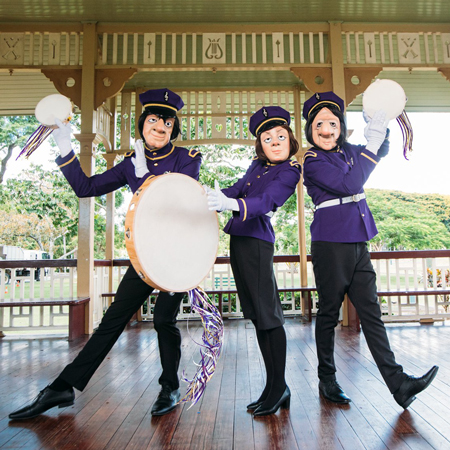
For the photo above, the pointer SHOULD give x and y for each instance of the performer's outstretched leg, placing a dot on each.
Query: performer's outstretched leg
(131, 294)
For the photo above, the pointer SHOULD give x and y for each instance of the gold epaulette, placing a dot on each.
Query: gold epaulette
(309, 153)
(294, 163)
(128, 154)
(193, 153)
(255, 157)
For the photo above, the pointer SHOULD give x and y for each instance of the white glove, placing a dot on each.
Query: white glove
(139, 160)
(218, 201)
(375, 131)
(61, 135)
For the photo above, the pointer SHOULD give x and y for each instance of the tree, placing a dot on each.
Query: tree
(40, 209)
(410, 221)
(14, 132)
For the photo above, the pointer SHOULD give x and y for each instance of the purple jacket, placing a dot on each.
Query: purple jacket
(337, 174)
(167, 159)
(264, 188)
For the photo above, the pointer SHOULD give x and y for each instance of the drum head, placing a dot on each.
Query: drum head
(171, 236)
(387, 95)
(51, 107)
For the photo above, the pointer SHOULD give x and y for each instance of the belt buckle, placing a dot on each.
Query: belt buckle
(356, 198)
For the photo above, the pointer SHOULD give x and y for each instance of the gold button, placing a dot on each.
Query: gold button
(259, 176)
(154, 153)
(155, 164)
(248, 184)
(362, 215)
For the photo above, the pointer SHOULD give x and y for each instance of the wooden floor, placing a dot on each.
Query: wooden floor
(113, 412)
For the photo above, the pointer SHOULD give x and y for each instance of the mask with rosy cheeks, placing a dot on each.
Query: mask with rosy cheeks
(157, 131)
(275, 144)
(326, 129)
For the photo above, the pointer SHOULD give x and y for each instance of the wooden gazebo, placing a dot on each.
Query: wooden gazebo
(225, 58)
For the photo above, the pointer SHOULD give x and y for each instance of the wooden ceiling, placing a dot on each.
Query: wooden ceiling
(224, 11)
(427, 89)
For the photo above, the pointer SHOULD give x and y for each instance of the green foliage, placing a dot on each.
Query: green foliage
(14, 132)
(410, 221)
(40, 210)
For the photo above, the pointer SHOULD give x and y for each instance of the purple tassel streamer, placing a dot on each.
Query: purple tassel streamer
(35, 140)
(407, 133)
(211, 346)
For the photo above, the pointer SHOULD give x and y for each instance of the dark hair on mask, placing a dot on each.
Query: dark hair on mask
(294, 146)
(334, 110)
(176, 126)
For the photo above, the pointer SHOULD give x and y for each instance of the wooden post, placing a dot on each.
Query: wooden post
(85, 266)
(301, 204)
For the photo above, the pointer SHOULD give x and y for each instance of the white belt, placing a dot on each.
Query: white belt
(339, 201)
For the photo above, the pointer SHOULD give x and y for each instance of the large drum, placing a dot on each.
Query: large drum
(171, 236)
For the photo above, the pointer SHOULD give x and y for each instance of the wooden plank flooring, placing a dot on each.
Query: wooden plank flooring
(113, 412)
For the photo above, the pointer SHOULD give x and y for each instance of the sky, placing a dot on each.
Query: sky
(426, 171)
(428, 167)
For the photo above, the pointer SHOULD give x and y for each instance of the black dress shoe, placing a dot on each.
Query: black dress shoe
(46, 399)
(167, 401)
(285, 402)
(333, 392)
(254, 405)
(407, 391)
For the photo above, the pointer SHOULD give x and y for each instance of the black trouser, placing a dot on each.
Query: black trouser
(131, 294)
(345, 268)
(251, 260)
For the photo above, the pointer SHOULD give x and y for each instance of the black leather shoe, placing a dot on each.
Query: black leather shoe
(167, 401)
(407, 391)
(285, 402)
(254, 405)
(333, 392)
(46, 399)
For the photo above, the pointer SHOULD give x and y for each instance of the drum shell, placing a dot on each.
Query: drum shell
(181, 235)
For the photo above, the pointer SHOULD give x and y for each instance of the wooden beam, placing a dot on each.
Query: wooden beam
(364, 77)
(109, 82)
(316, 79)
(67, 82)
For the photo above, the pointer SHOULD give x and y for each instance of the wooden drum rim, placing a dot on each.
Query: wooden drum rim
(131, 230)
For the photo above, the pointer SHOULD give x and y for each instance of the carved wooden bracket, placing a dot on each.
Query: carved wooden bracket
(67, 82)
(109, 82)
(317, 79)
(364, 76)
(445, 72)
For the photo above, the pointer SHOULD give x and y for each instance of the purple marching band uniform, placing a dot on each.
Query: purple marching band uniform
(266, 186)
(161, 161)
(334, 177)
(132, 292)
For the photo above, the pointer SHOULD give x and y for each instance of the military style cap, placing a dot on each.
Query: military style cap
(161, 101)
(268, 117)
(322, 98)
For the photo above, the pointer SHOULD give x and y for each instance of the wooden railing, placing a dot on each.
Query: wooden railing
(416, 272)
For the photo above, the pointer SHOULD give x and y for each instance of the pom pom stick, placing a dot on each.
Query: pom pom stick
(35, 140)
(212, 339)
(407, 132)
